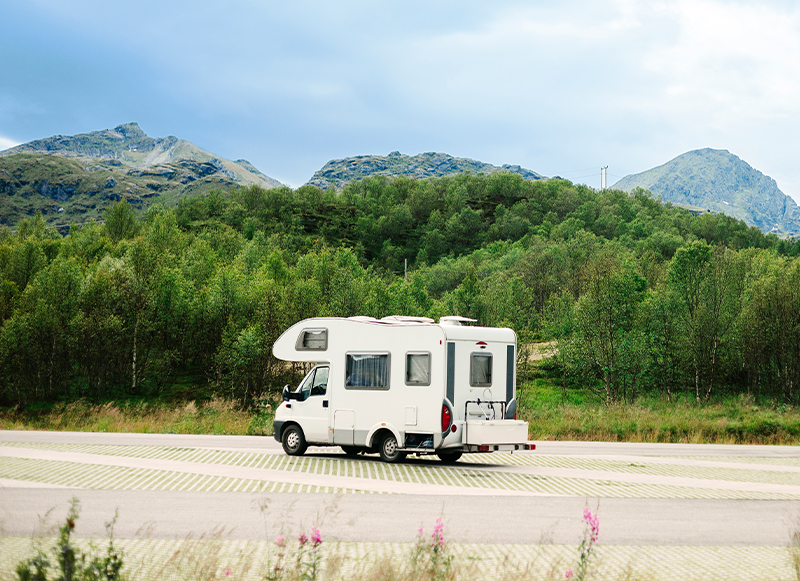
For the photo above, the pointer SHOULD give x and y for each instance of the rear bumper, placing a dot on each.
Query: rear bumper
(498, 447)
(495, 432)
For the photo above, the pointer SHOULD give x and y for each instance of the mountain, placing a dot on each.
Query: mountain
(131, 146)
(74, 178)
(339, 172)
(719, 181)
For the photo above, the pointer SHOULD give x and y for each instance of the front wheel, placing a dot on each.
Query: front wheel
(449, 457)
(389, 449)
(293, 440)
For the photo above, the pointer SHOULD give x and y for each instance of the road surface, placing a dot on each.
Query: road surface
(170, 486)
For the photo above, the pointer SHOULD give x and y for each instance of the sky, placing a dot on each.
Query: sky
(560, 88)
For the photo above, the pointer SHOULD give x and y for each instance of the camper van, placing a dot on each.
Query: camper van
(401, 385)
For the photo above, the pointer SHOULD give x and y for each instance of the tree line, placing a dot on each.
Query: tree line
(640, 295)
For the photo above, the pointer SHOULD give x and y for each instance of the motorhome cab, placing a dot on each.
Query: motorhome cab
(401, 385)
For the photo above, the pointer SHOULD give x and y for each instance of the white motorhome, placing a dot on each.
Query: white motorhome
(401, 385)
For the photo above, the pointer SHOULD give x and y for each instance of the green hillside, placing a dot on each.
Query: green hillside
(642, 298)
(76, 190)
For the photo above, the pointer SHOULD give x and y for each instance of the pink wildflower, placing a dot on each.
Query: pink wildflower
(302, 539)
(316, 536)
(594, 523)
(568, 574)
(228, 572)
(438, 534)
(281, 541)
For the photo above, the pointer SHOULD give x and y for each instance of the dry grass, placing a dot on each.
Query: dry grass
(551, 413)
(216, 416)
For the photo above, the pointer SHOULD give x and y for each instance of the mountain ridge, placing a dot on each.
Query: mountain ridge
(337, 173)
(130, 145)
(74, 179)
(720, 181)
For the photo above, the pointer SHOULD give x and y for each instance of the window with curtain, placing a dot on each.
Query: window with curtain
(367, 371)
(418, 368)
(480, 370)
(312, 340)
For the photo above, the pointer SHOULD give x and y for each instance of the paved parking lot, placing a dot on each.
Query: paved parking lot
(672, 511)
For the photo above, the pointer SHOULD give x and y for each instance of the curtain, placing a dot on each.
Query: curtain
(481, 370)
(368, 371)
(418, 369)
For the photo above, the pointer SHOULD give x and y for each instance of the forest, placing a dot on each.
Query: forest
(638, 296)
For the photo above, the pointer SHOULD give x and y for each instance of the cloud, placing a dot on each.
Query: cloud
(551, 86)
(7, 143)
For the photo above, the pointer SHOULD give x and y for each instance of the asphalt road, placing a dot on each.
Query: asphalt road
(470, 515)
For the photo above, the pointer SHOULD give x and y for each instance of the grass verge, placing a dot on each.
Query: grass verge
(557, 414)
(552, 412)
(215, 416)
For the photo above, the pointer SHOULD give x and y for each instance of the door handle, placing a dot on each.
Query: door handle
(324, 403)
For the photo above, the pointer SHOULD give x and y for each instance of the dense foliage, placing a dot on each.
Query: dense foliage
(639, 295)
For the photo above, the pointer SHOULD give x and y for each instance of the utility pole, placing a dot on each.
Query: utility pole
(603, 177)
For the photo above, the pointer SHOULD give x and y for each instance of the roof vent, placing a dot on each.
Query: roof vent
(405, 319)
(455, 321)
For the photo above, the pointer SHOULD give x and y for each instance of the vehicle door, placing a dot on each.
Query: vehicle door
(311, 410)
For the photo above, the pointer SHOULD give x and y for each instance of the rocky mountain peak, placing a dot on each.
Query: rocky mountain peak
(337, 173)
(716, 180)
(130, 130)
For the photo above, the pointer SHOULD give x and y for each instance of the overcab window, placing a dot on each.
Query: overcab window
(480, 370)
(418, 368)
(367, 371)
(312, 340)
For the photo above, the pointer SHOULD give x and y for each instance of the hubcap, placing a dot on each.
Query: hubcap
(292, 440)
(390, 446)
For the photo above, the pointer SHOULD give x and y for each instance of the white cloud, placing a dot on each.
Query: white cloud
(6, 143)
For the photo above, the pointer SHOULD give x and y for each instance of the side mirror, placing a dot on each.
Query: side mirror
(285, 393)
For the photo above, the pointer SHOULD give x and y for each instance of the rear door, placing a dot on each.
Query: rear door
(480, 372)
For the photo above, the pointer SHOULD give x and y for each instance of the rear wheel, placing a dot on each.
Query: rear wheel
(351, 451)
(293, 440)
(390, 450)
(449, 457)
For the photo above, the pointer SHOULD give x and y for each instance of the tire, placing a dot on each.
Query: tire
(390, 450)
(293, 440)
(449, 457)
(351, 451)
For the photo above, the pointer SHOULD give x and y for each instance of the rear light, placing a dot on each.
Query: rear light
(515, 416)
(447, 418)
(483, 448)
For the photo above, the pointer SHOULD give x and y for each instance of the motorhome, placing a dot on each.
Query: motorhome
(401, 385)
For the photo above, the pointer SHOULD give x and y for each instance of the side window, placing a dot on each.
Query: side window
(315, 383)
(418, 368)
(320, 385)
(480, 370)
(305, 386)
(312, 340)
(367, 371)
